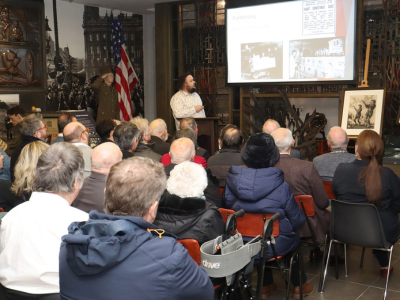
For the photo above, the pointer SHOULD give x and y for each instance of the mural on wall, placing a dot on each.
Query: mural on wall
(84, 44)
(20, 63)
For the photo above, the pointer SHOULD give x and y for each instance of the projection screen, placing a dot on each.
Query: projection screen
(289, 42)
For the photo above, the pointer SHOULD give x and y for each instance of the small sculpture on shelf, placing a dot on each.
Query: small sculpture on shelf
(15, 75)
(17, 33)
(6, 20)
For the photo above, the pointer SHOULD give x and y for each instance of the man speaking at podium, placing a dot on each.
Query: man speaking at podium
(186, 102)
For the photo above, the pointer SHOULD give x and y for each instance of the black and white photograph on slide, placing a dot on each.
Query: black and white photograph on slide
(362, 112)
(317, 58)
(261, 60)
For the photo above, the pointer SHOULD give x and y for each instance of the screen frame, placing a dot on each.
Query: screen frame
(357, 46)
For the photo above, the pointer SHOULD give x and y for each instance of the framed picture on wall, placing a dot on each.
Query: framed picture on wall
(362, 109)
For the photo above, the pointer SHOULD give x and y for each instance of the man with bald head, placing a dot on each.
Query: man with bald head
(303, 179)
(78, 135)
(63, 121)
(91, 195)
(183, 150)
(159, 136)
(327, 163)
(270, 126)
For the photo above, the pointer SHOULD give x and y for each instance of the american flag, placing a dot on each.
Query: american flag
(125, 77)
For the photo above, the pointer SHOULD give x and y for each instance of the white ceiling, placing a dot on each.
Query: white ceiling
(135, 6)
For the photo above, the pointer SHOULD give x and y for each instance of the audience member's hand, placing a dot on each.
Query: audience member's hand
(1, 161)
(198, 108)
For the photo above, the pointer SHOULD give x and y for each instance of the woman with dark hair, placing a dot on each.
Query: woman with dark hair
(365, 180)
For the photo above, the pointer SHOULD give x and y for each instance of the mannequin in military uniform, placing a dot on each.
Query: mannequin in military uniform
(106, 95)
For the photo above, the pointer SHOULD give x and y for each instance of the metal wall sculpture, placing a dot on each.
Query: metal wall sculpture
(20, 45)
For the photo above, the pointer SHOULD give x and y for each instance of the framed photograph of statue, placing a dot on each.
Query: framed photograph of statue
(362, 109)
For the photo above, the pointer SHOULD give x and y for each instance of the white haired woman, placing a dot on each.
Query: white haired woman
(184, 210)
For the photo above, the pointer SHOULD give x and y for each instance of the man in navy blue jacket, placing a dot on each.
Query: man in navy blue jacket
(121, 254)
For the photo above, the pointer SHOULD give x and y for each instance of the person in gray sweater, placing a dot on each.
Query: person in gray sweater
(327, 163)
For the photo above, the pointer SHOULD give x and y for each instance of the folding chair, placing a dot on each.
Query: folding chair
(328, 189)
(193, 248)
(357, 225)
(227, 256)
(251, 225)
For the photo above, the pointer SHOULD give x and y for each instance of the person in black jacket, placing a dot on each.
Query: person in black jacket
(365, 180)
(105, 130)
(184, 211)
(159, 136)
(182, 150)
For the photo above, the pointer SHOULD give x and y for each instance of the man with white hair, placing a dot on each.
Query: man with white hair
(303, 179)
(270, 126)
(91, 196)
(143, 149)
(159, 136)
(182, 150)
(183, 210)
(121, 254)
(327, 163)
(30, 234)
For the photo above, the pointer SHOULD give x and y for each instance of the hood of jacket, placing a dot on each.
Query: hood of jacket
(252, 185)
(177, 215)
(104, 241)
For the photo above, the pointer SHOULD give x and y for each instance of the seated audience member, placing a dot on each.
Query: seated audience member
(327, 163)
(159, 136)
(303, 179)
(366, 181)
(258, 187)
(32, 130)
(270, 126)
(5, 170)
(30, 234)
(91, 195)
(191, 123)
(63, 121)
(188, 133)
(16, 115)
(126, 136)
(21, 189)
(231, 140)
(118, 254)
(183, 210)
(78, 135)
(182, 150)
(143, 149)
(26, 168)
(105, 130)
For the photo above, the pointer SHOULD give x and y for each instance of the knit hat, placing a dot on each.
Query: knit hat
(260, 151)
(105, 70)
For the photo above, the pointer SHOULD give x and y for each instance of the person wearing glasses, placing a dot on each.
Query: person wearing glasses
(32, 130)
(78, 135)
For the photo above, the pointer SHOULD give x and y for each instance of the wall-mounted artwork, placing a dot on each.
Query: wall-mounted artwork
(20, 45)
(362, 109)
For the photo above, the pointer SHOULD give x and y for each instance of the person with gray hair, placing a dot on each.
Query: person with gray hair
(125, 243)
(327, 163)
(91, 196)
(159, 136)
(270, 126)
(126, 136)
(303, 179)
(30, 233)
(191, 123)
(143, 149)
(183, 210)
(32, 130)
(182, 150)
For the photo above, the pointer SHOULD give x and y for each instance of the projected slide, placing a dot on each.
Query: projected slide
(296, 41)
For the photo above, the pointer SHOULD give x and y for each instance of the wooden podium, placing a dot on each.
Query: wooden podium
(207, 136)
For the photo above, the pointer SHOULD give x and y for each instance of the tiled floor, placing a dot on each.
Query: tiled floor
(360, 284)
